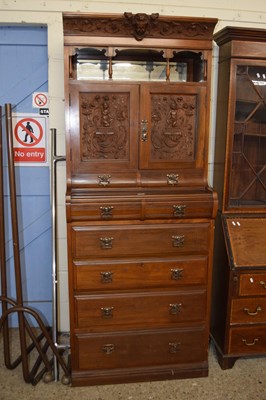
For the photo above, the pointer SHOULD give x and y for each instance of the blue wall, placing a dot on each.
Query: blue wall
(23, 71)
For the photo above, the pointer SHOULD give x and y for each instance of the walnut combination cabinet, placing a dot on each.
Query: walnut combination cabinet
(140, 213)
(238, 325)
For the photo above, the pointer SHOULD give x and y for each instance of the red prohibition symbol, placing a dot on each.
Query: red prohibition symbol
(40, 99)
(28, 132)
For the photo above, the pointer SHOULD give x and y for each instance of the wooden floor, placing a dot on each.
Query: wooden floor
(245, 381)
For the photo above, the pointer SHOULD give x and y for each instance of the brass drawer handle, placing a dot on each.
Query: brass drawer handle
(172, 179)
(106, 211)
(263, 284)
(250, 344)
(254, 312)
(104, 180)
(144, 130)
(106, 277)
(108, 348)
(106, 242)
(174, 347)
(178, 241)
(175, 308)
(176, 274)
(107, 312)
(179, 210)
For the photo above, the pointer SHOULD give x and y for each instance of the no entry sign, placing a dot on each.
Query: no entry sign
(29, 139)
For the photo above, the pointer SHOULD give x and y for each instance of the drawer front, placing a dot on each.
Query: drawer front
(106, 211)
(179, 209)
(248, 310)
(118, 276)
(252, 284)
(139, 349)
(248, 340)
(140, 310)
(136, 240)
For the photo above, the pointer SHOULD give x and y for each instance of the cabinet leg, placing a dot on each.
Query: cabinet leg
(226, 362)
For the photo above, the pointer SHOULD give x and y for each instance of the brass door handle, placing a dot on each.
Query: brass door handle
(254, 312)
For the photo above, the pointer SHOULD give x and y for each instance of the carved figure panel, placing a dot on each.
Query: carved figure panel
(173, 131)
(104, 126)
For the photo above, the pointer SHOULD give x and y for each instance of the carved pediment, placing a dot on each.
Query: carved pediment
(139, 26)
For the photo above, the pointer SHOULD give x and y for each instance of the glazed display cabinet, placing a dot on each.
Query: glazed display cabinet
(140, 213)
(239, 290)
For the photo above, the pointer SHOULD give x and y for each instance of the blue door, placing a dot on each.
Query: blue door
(24, 71)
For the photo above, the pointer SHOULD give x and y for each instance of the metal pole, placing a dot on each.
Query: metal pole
(54, 160)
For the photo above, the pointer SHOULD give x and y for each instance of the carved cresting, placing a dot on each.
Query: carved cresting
(104, 124)
(173, 127)
(138, 25)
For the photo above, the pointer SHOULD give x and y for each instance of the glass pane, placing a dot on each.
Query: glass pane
(248, 172)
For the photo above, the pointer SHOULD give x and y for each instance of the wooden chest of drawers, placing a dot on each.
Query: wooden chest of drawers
(140, 213)
(239, 321)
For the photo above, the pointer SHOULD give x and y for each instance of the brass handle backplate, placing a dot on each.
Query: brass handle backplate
(106, 211)
(174, 347)
(107, 312)
(106, 277)
(178, 241)
(104, 180)
(253, 313)
(251, 343)
(108, 348)
(176, 273)
(106, 242)
(175, 308)
(179, 210)
(172, 179)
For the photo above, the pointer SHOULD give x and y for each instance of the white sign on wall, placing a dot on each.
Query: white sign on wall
(30, 139)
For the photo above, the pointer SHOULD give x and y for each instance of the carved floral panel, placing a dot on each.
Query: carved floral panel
(173, 131)
(104, 126)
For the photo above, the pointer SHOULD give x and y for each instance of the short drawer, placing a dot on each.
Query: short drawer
(252, 284)
(140, 240)
(178, 209)
(139, 349)
(138, 275)
(247, 340)
(248, 310)
(106, 211)
(141, 310)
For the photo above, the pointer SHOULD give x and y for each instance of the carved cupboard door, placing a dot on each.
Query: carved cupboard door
(172, 118)
(103, 120)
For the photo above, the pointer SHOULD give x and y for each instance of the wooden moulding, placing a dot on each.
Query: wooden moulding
(138, 25)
